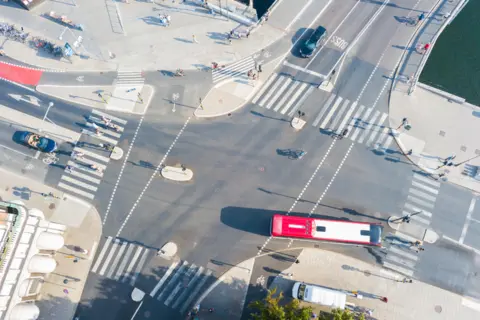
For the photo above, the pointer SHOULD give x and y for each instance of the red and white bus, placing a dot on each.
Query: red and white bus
(351, 232)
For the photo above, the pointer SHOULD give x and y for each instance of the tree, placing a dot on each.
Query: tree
(270, 308)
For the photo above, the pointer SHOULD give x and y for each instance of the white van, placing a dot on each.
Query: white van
(327, 297)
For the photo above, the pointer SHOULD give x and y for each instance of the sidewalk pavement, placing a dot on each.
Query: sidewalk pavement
(406, 301)
(442, 125)
(111, 97)
(133, 35)
(58, 300)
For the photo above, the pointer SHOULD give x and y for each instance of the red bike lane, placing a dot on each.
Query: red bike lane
(22, 75)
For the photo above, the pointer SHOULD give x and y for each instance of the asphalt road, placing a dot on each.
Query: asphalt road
(241, 177)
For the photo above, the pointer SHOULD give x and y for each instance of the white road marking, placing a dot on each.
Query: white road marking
(421, 202)
(399, 269)
(467, 220)
(124, 262)
(277, 83)
(195, 291)
(182, 297)
(174, 278)
(92, 154)
(76, 190)
(359, 128)
(286, 96)
(100, 113)
(302, 69)
(369, 126)
(426, 180)
(414, 209)
(405, 236)
(99, 121)
(163, 279)
(79, 183)
(139, 267)
(265, 87)
(84, 168)
(422, 194)
(84, 176)
(102, 253)
(355, 120)
(117, 259)
(403, 253)
(128, 273)
(338, 116)
(305, 6)
(99, 137)
(301, 101)
(331, 112)
(388, 142)
(324, 109)
(347, 117)
(377, 131)
(89, 162)
(424, 187)
(278, 93)
(109, 257)
(294, 97)
(179, 285)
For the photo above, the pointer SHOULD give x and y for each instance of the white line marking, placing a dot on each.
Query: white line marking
(399, 269)
(421, 220)
(139, 267)
(404, 254)
(426, 180)
(265, 87)
(405, 236)
(382, 137)
(182, 297)
(92, 154)
(195, 291)
(100, 256)
(422, 194)
(99, 121)
(277, 83)
(286, 96)
(79, 183)
(355, 119)
(302, 69)
(128, 273)
(363, 119)
(467, 220)
(298, 15)
(99, 137)
(421, 202)
(117, 259)
(331, 112)
(414, 209)
(346, 118)
(338, 116)
(100, 113)
(388, 142)
(84, 177)
(124, 261)
(279, 104)
(324, 109)
(76, 190)
(91, 162)
(85, 169)
(109, 257)
(163, 279)
(278, 93)
(301, 101)
(377, 131)
(179, 285)
(424, 187)
(294, 97)
(173, 279)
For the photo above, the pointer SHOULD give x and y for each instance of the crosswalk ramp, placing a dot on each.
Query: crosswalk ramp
(401, 257)
(181, 284)
(281, 93)
(421, 199)
(121, 260)
(237, 70)
(87, 164)
(365, 125)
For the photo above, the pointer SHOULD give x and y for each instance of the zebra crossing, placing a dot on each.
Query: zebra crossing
(84, 172)
(121, 260)
(127, 77)
(421, 198)
(181, 284)
(238, 69)
(281, 93)
(400, 256)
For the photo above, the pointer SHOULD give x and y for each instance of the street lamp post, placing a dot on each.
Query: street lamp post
(50, 104)
(405, 218)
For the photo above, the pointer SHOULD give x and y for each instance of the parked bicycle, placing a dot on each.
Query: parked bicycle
(297, 154)
(340, 135)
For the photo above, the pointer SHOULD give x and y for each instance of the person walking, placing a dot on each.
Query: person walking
(194, 39)
(69, 169)
(426, 47)
(247, 34)
(420, 18)
(404, 123)
(446, 15)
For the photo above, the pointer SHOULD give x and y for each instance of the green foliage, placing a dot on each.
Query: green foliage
(270, 308)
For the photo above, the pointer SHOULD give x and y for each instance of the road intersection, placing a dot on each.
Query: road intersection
(241, 177)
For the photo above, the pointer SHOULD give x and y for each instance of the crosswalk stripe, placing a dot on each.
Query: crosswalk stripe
(422, 194)
(84, 168)
(421, 220)
(414, 209)
(399, 269)
(378, 129)
(326, 106)
(124, 262)
(235, 70)
(355, 120)
(278, 93)
(102, 253)
(109, 257)
(421, 202)
(173, 279)
(426, 180)
(347, 116)
(388, 142)
(331, 112)
(338, 116)
(106, 115)
(179, 285)
(285, 97)
(99, 137)
(128, 273)
(117, 259)
(275, 85)
(265, 87)
(92, 154)
(401, 261)
(408, 255)
(424, 187)
(368, 128)
(404, 236)
(76, 190)
(294, 97)
(362, 119)
(186, 292)
(301, 100)
(163, 279)
(107, 131)
(79, 183)
(91, 162)
(195, 291)
(418, 217)
(99, 121)
(382, 136)
(139, 267)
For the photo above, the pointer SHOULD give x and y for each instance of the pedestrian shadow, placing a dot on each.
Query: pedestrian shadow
(167, 73)
(285, 153)
(217, 35)
(143, 164)
(78, 97)
(255, 113)
(183, 40)
(201, 67)
(153, 21)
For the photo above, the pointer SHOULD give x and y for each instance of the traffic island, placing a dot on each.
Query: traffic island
(298, 123)
(116, 154)
(181, 174)
(168, 251)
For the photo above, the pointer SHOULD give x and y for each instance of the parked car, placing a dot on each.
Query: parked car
(35, 141)
(313, 42)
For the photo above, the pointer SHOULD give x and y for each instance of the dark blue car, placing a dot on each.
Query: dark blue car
(313, 42)
(35, 141)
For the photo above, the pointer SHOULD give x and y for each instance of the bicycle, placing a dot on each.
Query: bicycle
(341, 135)
(297, 154)
(51, 158)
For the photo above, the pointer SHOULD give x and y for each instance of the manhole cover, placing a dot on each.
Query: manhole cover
(51, 206)
(463, 148)
(438, 309)
(262, 169)
(442, 133)
(367, 273)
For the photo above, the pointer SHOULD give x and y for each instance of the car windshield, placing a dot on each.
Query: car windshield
(317, 35)
(42, 143)
(375, 234)
(301, 291)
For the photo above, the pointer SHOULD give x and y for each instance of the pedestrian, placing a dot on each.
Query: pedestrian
(259, 68)
(297, 261)
(267, 14)
(76, 155)
(449, 158)
(232, 33)
(426, 47)
(229, 41)
(106, 120)
(211, 310)
(96, 168)
(69, 169)
(409, 152)
(420, 18)
(247, 34)
(194, 39)
(447, 15)
(168, 20)
(404, 123)
(249, 73)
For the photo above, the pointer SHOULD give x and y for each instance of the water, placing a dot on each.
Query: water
(454, 64)
(260, 5)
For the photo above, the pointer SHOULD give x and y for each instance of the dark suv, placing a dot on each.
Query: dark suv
(316, 39)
